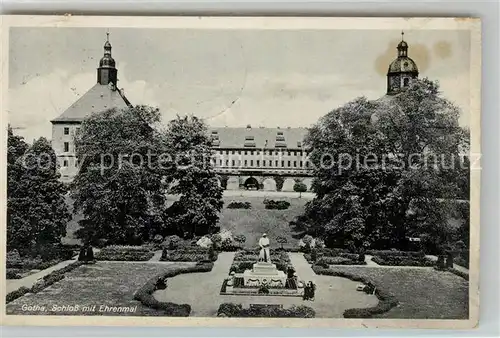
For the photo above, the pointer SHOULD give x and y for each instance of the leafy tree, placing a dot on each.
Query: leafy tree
(196, 212)
(299, 187)
(36, 211)
(380, 167)
(121, 183)
(281, 240)
(279, 182)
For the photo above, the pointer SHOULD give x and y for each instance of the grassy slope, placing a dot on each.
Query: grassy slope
(422, 293)
(253, 222)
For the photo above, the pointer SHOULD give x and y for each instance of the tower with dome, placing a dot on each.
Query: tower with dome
(402, 70)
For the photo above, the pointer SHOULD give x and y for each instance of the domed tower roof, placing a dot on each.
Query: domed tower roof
(402, 70)
(107, 60)
(107, 72)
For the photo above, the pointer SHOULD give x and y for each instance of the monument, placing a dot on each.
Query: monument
(264, 273)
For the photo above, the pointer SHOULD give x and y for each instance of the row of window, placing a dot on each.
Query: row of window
(263, 152)
(246, 163)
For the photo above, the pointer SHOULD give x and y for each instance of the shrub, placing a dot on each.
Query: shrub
(384, 253)
(16, 294)
(270, 310)
(459, 273)
(189, 254)
(240, 239)
(403, 261)
(229, 245)
(277, 205)
(14, 259)
(145, 293)
(124, 253)
(239, 205)
(386, 300)
(12, 274)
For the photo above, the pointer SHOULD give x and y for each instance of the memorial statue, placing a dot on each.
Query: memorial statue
(264, 249)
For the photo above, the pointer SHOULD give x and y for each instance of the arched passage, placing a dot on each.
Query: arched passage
(251, 183)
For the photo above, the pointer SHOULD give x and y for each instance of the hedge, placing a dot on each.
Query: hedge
(384, 253)
(459, 273)
(145, 293)
(46, 281)
(124, 253)
(403, 261)
(386, 300)
(277, 205)
(339, 260)
(12, 274)
(237, 310)
(188, 254)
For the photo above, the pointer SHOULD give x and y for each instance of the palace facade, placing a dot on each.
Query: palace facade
(244, 158)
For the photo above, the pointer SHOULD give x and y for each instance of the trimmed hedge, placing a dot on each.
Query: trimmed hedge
(51, 278)
(403, 261)
(459, 273)
(339, 260)
(145, 293)
(188, 254)
(386, 253)
(12, 274)
(386, 300)
(270, 311)
(124, 253)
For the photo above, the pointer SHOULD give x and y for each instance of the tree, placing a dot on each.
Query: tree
(279, 182)
(281, 240)
(299, 187)
(120, 187)
(196, 212)
(378, 169)
(240, 239)
(36, 210)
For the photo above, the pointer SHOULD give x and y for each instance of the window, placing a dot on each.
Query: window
(289, 164)
(283, 163)
(263, 163)
(76, 163)
(300, 165)
(77, 130)
(258, 163)
(66, 147)
(227, 163)
(295, 163)
(245, 153)
(66, 130)
(246, 163)
(65, 163)
(220, 162)
(251, 163)
(276, 162)
(280, 133)
(289, 153)
(239, 152)
(251, 152)
(233, 163)
(307, 164)
(233, 152)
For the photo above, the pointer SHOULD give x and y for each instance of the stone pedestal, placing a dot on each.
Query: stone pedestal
(264, 273)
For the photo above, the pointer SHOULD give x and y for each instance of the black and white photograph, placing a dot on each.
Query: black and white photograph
(273, 171)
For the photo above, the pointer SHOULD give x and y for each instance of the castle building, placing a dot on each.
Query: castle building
(244, 158)
(102, 96)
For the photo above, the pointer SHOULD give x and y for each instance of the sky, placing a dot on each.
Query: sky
(286, 78)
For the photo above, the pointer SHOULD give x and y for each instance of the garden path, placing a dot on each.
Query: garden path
(157, 256)
(29, 281)
(202, 291)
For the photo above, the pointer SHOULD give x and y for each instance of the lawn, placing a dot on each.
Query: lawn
(105, 283)
(257, 220)
(422, 293)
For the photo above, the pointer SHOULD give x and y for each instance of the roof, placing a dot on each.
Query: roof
(96, 99)
(403, 64)
(259, 137)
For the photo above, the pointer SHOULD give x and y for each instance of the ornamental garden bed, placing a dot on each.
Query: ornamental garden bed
(265, 310)
(326, 257)
(245, 259)
(189, 254)
(124, 253)
(403, 261)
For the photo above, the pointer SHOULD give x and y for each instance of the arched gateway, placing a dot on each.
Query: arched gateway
(251, 183)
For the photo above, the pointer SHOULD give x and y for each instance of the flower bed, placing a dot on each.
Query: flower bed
(124, 253)
(276, 205)
(239, 205)
(46, 281)
(245, 259)
(269, 310)
(403, 261)
(386, 253)
(386, 300)
(145, 293)
(326, 257)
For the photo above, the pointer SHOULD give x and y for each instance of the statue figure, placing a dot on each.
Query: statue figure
(264, 249)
